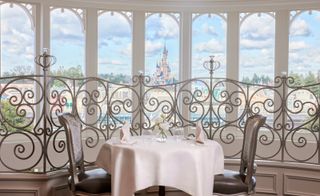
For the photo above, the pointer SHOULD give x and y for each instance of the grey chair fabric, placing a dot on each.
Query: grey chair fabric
(95, 181)
(243, 181)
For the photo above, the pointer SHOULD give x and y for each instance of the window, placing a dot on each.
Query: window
(304, 67)
(304, 40)
(115, 46)
(17, 40)
(257, 39)
(208, 39)
(67, 41)
(17, 54)
(67, 45)
(162, 47)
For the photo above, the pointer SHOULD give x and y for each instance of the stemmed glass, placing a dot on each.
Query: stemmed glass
(178, 133)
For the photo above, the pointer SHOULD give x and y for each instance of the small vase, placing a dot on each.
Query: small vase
(161, 137)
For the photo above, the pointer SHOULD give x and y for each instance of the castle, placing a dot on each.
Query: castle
(163, 70)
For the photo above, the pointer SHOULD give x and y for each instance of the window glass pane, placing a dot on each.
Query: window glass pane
(257, 43)
(304, 67)
(162, 47)
(257, 38)
(304, 41)
(208, 38)
(115, 43)
(17, 41)
(17, 59)
(67, 42)
(115, 60)
(67, 45)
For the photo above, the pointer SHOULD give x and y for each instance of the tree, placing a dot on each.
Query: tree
(10, 117)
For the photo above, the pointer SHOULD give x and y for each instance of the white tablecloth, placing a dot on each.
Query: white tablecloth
(181, 164)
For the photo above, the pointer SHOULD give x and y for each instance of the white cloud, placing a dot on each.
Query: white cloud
(153, 48)
(66, 27)
(209, 29)
(127, 51)
(168, 29)
(112, 62)
(298, 45)
(163, 27)
(258, 28)
(256, 44)
(212, 46)
(299, 27)
(114, 26)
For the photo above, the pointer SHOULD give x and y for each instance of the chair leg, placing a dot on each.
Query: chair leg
(162, 190)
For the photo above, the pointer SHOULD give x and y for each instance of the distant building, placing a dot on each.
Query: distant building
(163, 71)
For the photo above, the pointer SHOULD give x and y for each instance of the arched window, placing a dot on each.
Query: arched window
(257, 40)
(115, 46)
(304, 51)
(17, 40)
(208, 38)
(162, 38)
(67, 41)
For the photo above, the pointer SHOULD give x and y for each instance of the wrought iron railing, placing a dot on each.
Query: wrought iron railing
(32, 139)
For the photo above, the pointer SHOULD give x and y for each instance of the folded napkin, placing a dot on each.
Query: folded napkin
(125, 134)
(200, 137)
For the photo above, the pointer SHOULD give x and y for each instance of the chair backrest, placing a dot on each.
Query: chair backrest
(72, 127)
(249, 146)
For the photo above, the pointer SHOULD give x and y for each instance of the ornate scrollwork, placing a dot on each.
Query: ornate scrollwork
(221, 105)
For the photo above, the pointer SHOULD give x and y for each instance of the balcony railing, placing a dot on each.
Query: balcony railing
(32, 139)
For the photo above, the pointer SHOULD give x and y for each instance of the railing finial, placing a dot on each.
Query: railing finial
(45, 60)
(211, 65)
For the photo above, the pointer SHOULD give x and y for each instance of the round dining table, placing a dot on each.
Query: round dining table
(144, 162)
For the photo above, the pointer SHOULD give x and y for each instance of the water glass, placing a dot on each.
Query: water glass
(178, 133)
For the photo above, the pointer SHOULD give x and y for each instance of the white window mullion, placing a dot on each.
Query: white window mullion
(185, 55)
(232, 61)
(91, 53)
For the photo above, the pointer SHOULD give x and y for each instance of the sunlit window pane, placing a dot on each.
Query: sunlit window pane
(304, 41)
(17, 41)
(304, 68)
(208, 38)
(67, 43)
(114, 46)
(162, 47)
(257, 39)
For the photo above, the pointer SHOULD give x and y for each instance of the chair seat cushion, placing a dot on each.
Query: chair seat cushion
(231, 182)
(94, 181)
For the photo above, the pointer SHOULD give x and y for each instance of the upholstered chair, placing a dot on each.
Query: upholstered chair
(233, 182)
(81, 182)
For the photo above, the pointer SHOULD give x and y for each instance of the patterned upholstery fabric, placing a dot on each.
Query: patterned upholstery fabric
(75, 129)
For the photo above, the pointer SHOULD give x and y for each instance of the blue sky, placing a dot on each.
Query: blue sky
(208, 38)
(115, 42)
(161, 29)
(304, 51)
(257, 39)
(17, 37)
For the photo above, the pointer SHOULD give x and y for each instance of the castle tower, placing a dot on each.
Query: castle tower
(163, 70)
